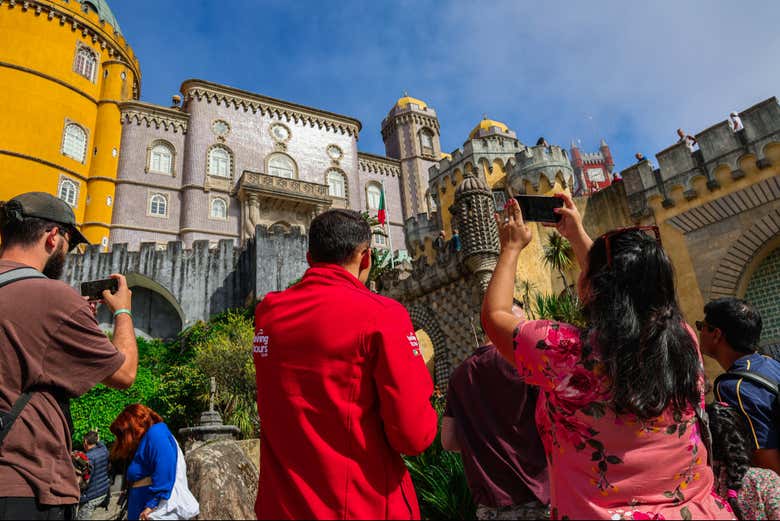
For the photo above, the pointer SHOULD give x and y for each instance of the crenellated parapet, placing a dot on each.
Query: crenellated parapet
(140, 113)
(400, 115)
(719, 148)
(537, 162)
(198, 282)
(420, 227)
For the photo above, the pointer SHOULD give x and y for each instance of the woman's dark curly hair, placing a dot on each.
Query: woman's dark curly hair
(636, 324)
(730, 448)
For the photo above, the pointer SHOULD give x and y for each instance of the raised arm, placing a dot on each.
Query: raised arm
(570, 227)
(497, 316)
(124, 334)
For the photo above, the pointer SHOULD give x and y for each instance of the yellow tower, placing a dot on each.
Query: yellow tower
(64, 69)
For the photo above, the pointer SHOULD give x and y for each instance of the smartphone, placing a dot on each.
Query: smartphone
(94, 289)
(539, 208)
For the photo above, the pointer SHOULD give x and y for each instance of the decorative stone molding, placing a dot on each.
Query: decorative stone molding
(378, 165)
(727, 206)
(274, 108)
(267, 199)
(170, 120)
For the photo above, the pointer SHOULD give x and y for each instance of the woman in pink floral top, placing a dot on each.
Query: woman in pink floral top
(617, 409)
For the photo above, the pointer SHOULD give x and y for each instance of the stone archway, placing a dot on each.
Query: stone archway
(423, 318)
(156, 312)
(730, 277)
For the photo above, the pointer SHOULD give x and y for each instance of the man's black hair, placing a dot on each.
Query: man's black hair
(739, 320)
(22, 232)
(335, 235)
(91, 438)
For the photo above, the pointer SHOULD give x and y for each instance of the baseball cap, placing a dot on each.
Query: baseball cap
(49, 208)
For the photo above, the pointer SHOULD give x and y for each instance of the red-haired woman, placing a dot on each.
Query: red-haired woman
(145, 441)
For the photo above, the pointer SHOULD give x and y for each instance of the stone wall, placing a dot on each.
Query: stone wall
(281, 258)
(197, 282)
(763, 291)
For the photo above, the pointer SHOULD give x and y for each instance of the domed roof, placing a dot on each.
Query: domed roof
(406, 100)
(471, 183)
(103, 11)
(487, 124)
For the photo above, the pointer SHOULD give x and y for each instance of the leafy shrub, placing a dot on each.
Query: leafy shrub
(440, 480)
(225, 354)
(561, 308)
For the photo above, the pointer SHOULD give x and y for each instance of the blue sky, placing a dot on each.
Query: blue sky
(626, 72)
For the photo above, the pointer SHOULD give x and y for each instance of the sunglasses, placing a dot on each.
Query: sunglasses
(700, 324)
(614, 233)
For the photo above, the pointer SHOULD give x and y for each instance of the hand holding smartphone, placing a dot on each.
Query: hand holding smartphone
(539, 208)
(94, 289)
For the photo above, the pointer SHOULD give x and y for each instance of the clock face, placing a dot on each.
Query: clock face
(280, 132)
(596, 175)
(334, 152)
(220, 128)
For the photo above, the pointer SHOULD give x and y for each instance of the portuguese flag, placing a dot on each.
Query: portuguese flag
(382, 214)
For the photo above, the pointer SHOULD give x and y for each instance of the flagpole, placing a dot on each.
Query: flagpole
(387, 223)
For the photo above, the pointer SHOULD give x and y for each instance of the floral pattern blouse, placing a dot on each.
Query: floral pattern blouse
(759, 497)
(603, 465)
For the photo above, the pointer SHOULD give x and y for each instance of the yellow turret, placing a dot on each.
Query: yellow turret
(487, 124)
(64, 67)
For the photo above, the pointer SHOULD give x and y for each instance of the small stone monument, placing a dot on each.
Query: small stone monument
(210, 426)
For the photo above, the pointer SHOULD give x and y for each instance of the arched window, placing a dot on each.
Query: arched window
(161, 159)
(218, 209)
(373, 195)
(158, 205)
(380, 240)
(74, 142)
(426, 141)
(337, 185)
(219, 162)
(85, 63)
(281, 165)
(68, 192)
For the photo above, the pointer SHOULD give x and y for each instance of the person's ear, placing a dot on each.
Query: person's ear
(51, 238)
(365, 260)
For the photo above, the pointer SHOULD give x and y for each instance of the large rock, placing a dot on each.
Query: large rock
(223, 478)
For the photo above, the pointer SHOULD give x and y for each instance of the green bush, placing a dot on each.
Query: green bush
(561, 308)
(225, 353)
(440, 480)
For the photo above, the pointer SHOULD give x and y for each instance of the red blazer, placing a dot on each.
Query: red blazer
(342, 392)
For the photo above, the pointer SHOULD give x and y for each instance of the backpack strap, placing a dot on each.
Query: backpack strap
(7, 419)
(19, 274)
(753, 378)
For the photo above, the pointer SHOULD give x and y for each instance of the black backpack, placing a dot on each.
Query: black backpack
(760, 381)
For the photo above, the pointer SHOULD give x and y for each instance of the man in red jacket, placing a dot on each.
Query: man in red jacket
(342, 388)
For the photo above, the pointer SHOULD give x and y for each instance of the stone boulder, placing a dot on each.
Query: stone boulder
(223, 478)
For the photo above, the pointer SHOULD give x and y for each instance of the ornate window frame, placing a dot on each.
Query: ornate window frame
(277, 153)
(68, 123)
(226, 201)
(231, 159)
(220, 137)
(377, 232)
(426, 151)
(273, 136)
(151, 147)
(151, 194)
(81, 47)
(370, 184)
(343, 177)
(76, 189)
(335, 160)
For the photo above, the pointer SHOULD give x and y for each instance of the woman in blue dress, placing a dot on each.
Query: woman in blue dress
(145, 441)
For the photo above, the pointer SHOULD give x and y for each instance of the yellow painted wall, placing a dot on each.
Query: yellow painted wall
(41, 91)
